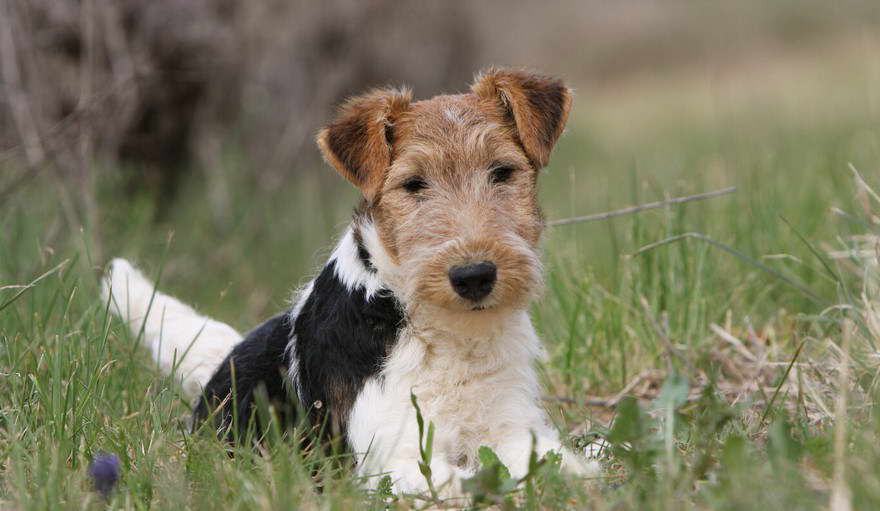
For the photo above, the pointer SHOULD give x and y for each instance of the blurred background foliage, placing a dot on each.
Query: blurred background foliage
(161, 86)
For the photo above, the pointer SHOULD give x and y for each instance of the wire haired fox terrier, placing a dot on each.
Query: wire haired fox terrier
(427, 291)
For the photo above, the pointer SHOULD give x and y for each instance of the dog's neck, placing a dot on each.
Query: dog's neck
(354, 263)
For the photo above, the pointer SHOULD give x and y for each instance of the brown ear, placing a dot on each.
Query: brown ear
(538, 105)
(358, 142)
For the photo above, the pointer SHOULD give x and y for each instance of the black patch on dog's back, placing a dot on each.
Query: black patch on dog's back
(256, 364)
(341, 340)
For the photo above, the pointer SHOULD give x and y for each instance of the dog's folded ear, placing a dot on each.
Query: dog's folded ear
(537, 105)
(358, 142)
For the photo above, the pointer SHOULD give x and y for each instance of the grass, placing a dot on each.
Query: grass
(736, 396)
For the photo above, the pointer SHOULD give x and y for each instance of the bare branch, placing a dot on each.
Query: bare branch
(641, 207)
(82, 114)
(19, 105)
(86, 176)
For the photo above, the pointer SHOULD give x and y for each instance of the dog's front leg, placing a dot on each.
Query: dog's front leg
(384, 433)
(400, 461)
(515, 450)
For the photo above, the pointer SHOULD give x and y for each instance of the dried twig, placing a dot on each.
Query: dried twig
(841, 497)
(736, 343)
(642, 207)
(862, 184)
(596, 401)
(635, 382)
(613, 401)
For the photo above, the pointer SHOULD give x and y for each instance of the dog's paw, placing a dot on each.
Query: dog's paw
(407, 478)
(577, 465)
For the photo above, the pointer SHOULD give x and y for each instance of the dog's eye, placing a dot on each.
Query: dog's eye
(415, 184)
(501, 175)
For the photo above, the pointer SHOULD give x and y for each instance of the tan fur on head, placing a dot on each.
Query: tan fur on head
(453, 180)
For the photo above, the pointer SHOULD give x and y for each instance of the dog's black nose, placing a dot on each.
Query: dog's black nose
(473, 281)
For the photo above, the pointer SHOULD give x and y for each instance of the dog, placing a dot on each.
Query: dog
(426, 293)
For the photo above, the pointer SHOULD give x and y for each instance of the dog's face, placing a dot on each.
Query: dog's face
(450, 185)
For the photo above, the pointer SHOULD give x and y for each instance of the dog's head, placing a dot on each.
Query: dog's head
(450, 185)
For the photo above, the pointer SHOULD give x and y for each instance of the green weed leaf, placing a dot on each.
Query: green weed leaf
(492, 482)
(674, 393)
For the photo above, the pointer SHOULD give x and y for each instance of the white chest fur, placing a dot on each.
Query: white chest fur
(478, 388)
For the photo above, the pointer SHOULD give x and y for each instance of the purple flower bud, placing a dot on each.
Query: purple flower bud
(105, 473)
